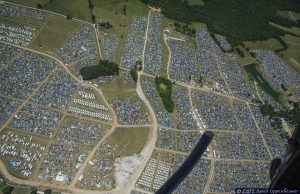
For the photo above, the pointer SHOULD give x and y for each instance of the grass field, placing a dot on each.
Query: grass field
(54, 34)
(117, 89)
(293, 30)
(31, 3)
(76, 8)
(134, 139)
(270, 44)
(291, 55)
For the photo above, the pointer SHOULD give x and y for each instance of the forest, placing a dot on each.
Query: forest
(237, 20)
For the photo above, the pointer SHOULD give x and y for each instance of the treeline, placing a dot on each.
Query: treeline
(104, 68)
(236, 20)
(164, 89)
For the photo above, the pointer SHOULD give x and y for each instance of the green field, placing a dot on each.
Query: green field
(78, 9)
(270, 44)
(31, 3)
(293, 29)
(117, 89)
(291, 55)
(54, 34)
(134, 139)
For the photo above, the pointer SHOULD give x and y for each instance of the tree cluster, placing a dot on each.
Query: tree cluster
(166, 93)
(104, 68)
(105, 24)
(185, 29)
(7, 189)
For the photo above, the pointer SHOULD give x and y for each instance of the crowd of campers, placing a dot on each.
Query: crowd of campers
(236, 81)
(163, 117)
(256, 146)
(154, 48)
(87, 113)
(100, 171)
(184, 116)
(134, 44)
(90, 104)
(160, 171)
(244, 117)
(87, 95)
(182, 64)
(126, 77)
(276, 71)
(275, 143)
(21, 151)
(182, 141)
(196, 181)
(130, 111)
(109, 44)
(214, 63)
(9, 10)
(7, 53)
(17, 35)
(81, 45)
(69, 150)
(215, 110)
(163, 164)
(224, 44)
(206, 52)
(57, 92)
(230, 145)
(24, 74)
(8, 107)
(85, 104)
(235, 174)
(37, 120)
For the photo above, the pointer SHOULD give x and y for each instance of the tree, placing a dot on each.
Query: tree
(267, 109)
(134, 75)
(104, 68)
(124, 9)
(93, 18)
(240, 52)
(69, 17)
(7, 189)
(39, 6)
(48, 191)
(33, 191)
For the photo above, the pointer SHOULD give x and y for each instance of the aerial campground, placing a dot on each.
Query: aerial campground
(112, 96)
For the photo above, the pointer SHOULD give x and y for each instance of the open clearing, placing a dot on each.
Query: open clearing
(31, 3)
(77, 8)
(270, 44)
(133, 138)
(55, 33)
(291, 55)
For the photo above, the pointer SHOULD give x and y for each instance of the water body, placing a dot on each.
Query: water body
(263, 84)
